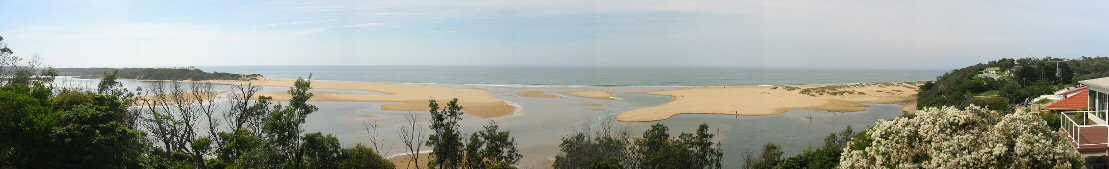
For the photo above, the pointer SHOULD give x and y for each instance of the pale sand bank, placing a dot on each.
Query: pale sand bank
(769, 100)
(405, 161)
(409, 97)
(592, 94)
(536, 94)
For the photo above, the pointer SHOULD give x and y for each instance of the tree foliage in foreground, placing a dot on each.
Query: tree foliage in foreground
(827, 156)
(489, 148)
(656, 149)
(165, 127)
(41, 127)
(952, 138)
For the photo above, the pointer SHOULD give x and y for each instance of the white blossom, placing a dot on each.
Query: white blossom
(971, 138)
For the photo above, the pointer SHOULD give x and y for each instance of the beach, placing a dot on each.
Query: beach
(407, 97)
(770, 100)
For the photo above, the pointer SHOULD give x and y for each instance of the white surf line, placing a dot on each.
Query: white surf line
(409, 154)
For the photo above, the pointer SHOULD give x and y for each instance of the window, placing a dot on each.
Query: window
(1091, 98)
(1102, 101)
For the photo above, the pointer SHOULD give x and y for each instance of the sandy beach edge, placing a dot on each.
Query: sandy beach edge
(773, 100)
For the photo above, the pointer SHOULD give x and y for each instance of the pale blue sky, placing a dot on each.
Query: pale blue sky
(873, 34)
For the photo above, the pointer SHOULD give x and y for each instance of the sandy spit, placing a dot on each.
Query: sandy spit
(770, 100)
(406, 97)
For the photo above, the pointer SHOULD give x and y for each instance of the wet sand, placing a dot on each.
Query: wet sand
(592, 94)
(536, 94)
(405, 161)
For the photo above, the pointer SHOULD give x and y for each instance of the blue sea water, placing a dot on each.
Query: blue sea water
(585, 76)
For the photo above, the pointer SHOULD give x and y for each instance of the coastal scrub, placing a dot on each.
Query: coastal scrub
(951, 138)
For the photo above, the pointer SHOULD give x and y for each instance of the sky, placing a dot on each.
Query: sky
(866, 34)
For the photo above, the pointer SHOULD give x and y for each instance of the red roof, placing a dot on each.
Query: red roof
(1076, 102)
(1068, 92)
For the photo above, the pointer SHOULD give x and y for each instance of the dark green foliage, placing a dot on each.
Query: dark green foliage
(1052, 119)
(445, 139)
(491, 147)
(1086, 68)
(321, 151)
(771, 156)
(826, 156)
(155, 73)
(1027, 78)
(600, 150)
(73, 129)
(44, 127)
(655, 150)
(485, 149)
(362, 157)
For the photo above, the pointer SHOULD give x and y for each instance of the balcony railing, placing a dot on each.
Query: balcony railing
(1075, 128)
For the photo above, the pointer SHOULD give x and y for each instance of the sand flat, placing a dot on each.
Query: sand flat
(592, 94)
(407, 97)
(405, 161)
(536, 94)
(769, 100)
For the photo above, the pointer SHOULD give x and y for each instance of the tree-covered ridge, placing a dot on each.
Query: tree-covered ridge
(1016, 81)
(156, 73)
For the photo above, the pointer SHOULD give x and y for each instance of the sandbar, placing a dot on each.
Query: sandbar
(592, 94)
(406, 97)
(770, 100)
(536, 94)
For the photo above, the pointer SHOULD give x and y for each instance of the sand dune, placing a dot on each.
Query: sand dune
(408, 97)
(592, 94)
(536, 94)
(769, 100)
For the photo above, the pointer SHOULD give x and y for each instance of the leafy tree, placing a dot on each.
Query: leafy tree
(771, 156)
(491, 147)
(69, 128)
(826, 156)
(362, 157)
(656, 149)
(45, 127)
(321, 151)
(599, 149)
(445, 139)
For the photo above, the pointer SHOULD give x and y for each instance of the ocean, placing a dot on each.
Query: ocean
(585, 76)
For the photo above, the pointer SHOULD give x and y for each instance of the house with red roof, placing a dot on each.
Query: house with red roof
(1074, 99)
(1084, 116)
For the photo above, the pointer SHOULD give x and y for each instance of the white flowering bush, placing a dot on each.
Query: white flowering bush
(951, 138)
